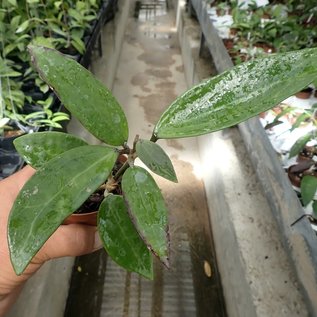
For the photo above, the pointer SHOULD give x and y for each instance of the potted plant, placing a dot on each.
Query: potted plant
(277, 27)
(133, 226)
(10, 160)
(303, 175)
(304, 93)
(57, 24)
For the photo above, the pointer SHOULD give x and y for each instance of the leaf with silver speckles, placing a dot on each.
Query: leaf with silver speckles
(120, 238)
(53, 193)
(82, 94)
(238, 94)
(38, 148)
(147, 210)
(154, 157)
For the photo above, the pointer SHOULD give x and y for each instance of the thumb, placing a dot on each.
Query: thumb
(70, 240)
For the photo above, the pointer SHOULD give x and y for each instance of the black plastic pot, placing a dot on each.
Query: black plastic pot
(28, 85)
(6, 143)
(10, 160)
(36, 95)
(29, 108)
(71, 52)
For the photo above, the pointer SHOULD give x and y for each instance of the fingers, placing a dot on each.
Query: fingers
(9, 189)
(23, 176)
(16, 181)
(70, 240)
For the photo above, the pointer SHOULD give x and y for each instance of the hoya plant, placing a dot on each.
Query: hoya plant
(133, 225)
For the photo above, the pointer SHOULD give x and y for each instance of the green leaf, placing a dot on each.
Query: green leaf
(90, 18)
(24, 37)
(147, 210)
(57, 4)
(74, 14)
(38, 148)
(299, 144)
(23, 27)
(121, 240)
(285, 111)
(84, 96)
(56, 29)
(10, 73)
(154, 157)
(43, 41)
(78, 44)
(56, 118)
(3, 122)
(238, 94)
(15, 21)
(13, 2)
(308, 188)
(9, 48)
(53, 193)
(299, 120)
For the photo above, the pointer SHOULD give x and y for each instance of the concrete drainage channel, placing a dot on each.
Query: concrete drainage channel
(254, 271)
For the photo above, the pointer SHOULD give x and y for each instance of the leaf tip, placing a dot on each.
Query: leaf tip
(148, 274)
(174, 179)
(17, 261)
(33, 50)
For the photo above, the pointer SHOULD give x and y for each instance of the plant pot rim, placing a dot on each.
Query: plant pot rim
(89, 218)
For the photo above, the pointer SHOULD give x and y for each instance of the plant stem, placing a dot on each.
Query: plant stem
(131, 157)
(137, 137)
(65, 21)
(46, 14)
(123, 168)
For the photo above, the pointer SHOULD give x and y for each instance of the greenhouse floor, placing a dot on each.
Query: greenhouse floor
(149, 73)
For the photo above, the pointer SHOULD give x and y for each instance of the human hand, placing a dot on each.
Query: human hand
(68, 240)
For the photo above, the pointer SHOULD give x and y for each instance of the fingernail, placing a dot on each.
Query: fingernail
(98, 243)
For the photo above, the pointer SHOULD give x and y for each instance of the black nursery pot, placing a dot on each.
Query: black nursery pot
(6, 143)
(10, 160)
(28, 85)
(304, 93)
(29, 108)
(71, 52)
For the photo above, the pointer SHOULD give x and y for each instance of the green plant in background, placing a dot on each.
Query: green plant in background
(281, 27)
(132, 226)
(308, 184)
(56, 24)
(62, 23)
(11, 96)
(12, 101)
